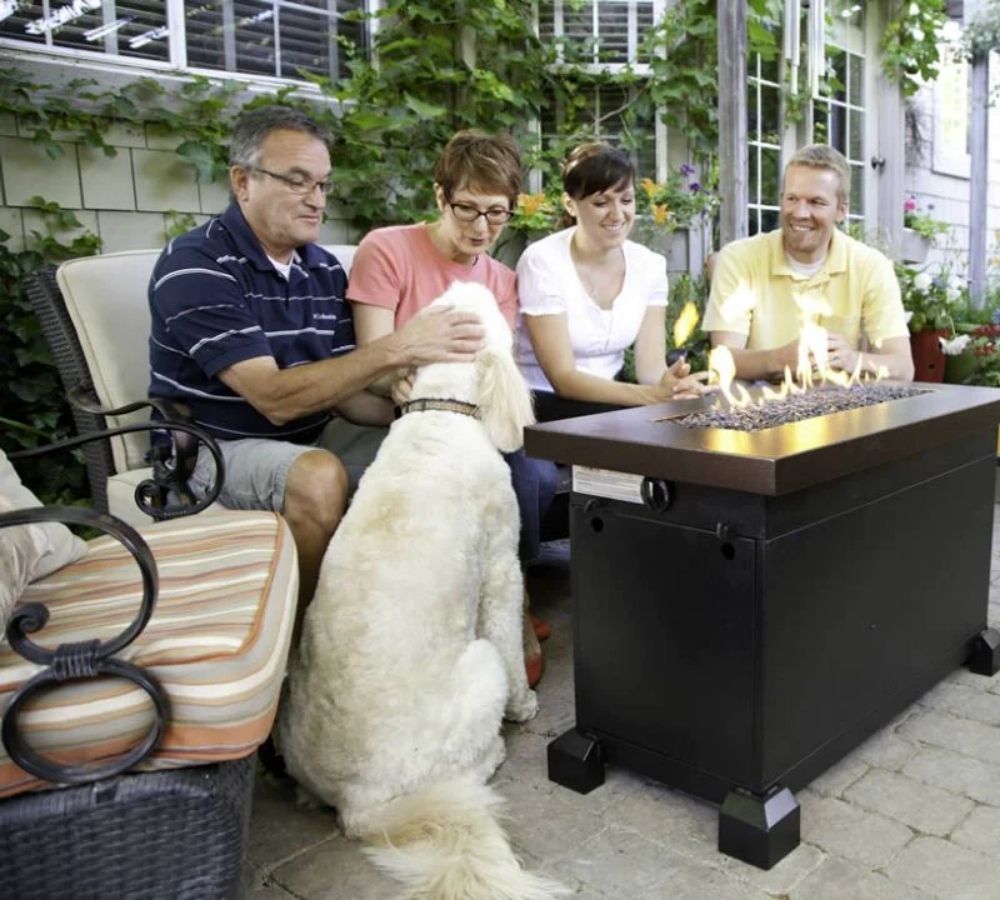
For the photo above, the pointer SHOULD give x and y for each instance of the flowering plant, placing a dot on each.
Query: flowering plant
(678, 201)
(975, 356)
(536, 212)
(922, 222)
(931, 300)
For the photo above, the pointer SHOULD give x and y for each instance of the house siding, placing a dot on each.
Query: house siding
(947, 192)
(129, 200)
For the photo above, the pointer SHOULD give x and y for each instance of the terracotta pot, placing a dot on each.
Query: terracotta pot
(928, 360)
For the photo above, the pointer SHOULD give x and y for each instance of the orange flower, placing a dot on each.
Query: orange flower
(650, 187)
(531, 203)
(661, 212)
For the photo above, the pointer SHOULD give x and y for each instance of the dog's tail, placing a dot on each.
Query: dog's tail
(444, 842)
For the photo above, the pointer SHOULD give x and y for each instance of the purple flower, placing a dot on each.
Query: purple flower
(687, 170)
(996, 317)
(694, 187)
(910, 205)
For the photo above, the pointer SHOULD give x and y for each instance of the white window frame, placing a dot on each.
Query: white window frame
(796, 135)
(596, 67)
(175, 68)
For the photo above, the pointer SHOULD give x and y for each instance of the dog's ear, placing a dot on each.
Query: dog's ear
(504, 399)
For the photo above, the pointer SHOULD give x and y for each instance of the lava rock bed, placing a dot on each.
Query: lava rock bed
(795, 407)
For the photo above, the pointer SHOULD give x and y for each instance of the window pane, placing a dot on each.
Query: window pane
(770, 114)
(820, 126)
(636, 134)
(26, 16)
(138, 28)
(753, 192)
(857, 142)
(613, 35)
(856, 80)
(752, 226)
(644, 19)
(753, 119)
(769, 219)
(770, 176)
(259, 37)
(613, 30)
(858, 190)
(255, 42)
(578, 26)
(837, 128)
(769, 69)
(837, 73)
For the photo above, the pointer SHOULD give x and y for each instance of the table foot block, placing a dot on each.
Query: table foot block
(759, 830)
(575, 761)
(985, 658)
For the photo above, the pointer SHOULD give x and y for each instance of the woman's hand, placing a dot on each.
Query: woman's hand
(677, 383)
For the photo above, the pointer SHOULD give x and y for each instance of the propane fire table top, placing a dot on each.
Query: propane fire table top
(648, 441)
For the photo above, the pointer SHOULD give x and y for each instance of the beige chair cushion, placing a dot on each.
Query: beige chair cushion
(59, 545)
(217, 642)
(106, 298)
(21, 549)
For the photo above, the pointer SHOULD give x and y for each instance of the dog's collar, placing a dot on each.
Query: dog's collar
(428, 403)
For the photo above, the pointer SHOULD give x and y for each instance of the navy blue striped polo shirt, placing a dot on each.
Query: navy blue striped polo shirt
(216, 299)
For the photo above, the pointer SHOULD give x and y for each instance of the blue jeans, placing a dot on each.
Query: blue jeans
(534, 483)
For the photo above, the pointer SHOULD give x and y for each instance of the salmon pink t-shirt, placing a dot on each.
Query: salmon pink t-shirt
(400, 268)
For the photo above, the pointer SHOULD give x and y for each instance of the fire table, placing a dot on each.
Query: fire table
(750, 605)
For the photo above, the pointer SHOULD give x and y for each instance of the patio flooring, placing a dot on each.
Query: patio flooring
(914, 812)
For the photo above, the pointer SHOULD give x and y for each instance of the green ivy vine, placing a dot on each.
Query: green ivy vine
(390, 115)
(911, 51)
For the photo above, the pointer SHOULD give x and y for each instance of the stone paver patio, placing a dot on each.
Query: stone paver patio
(914, 812)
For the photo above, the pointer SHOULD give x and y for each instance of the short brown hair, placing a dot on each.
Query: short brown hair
(595, 167)
(490, 163)
(823, 156)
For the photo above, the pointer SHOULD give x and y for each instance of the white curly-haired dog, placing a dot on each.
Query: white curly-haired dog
(411, 649)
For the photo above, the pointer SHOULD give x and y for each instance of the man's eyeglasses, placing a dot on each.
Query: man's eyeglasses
(296, 183)
(495, 215)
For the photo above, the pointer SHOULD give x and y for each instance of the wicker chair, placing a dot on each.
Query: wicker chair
(105, 796)
(95, 317)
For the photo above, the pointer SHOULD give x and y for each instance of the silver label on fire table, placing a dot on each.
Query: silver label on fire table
(606, 483)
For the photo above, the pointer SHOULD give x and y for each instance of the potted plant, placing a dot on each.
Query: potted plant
(919, 231)
(668, 210)
(930, 301)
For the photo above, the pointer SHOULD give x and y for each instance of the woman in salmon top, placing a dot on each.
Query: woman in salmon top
(399, 270)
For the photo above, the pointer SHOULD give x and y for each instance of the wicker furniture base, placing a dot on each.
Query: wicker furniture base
(179, 833)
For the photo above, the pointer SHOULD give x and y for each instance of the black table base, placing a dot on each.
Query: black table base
(735, 645)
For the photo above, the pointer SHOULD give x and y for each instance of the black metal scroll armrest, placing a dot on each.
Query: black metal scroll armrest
(169, 474)
(83, 660)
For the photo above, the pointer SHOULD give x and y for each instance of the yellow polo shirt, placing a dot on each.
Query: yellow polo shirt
(756, 293)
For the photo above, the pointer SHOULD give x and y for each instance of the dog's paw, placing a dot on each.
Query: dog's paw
(522, 708)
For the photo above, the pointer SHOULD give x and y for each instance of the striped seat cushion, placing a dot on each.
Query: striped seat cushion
(217, 642)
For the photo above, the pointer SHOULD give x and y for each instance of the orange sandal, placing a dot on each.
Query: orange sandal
(543, 631)
(533, 667)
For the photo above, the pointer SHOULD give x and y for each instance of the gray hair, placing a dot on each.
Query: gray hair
(254, 126)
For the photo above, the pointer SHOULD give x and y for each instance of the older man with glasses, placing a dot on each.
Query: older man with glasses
(252, 332)
(400, 269)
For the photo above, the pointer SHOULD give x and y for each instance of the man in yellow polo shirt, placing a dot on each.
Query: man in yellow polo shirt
(765, 288)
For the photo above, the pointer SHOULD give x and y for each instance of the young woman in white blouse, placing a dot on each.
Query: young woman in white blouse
(587, 293)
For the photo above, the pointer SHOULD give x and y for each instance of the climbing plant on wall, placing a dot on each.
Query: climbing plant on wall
(910, 45)
(435, 67)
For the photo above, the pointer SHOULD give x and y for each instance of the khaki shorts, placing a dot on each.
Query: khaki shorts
(257, 468)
